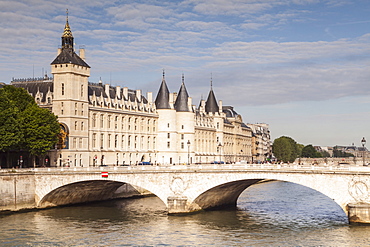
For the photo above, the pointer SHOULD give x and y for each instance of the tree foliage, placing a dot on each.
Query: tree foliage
(285, 149)
(23, 124)
(310, 152)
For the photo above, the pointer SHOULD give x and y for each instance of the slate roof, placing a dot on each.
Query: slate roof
(181, 103)
(211, 103)
(163, 97)
(69, 56)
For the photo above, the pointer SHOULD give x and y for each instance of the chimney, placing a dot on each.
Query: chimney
(125, 93)
(149, 97)
(82, 53)
(138, 95)
(118, 92)
(106, 89)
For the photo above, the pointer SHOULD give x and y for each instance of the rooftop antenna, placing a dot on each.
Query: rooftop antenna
(211, 80)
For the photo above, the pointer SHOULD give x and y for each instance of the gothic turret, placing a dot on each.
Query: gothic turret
(211, 103)
(181, 103)
(163, 97)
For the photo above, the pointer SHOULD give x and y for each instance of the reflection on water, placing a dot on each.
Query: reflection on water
(268, 214)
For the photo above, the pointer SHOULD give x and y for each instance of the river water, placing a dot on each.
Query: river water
(268, 214)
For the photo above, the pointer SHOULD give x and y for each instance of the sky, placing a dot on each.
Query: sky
(301, 66)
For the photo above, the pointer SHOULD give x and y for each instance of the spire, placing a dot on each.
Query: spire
(67, 37)
(211, 103)
(181, 103)
(163, 97)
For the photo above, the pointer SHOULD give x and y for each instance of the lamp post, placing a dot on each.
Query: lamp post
(188, 152)
(363, 142)
(219, 147)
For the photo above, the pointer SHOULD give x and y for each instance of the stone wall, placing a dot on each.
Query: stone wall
(17, 191)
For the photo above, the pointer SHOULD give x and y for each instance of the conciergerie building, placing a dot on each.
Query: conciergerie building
(105, 125)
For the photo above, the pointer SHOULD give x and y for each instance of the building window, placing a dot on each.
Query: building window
(109, 140)
(182, 145)
(82, 90)
(182, 126)
(168, 144)
(182, 136)
(135, 143)
(82, 125)
(94, 140)
(168, 135)
(123, 142)
(115, 141)
(94, 120)
(116, 122)
(129, 142)
(101, 121)
(75, 108)
(80, 143)
(62, 88)
(102, 141)
(109, 118)
(75, 125)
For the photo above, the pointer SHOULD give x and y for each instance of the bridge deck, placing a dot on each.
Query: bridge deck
(204, 167)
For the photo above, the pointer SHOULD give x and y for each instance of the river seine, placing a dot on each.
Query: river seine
(268, 214)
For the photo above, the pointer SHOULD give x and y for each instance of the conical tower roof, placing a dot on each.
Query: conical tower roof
(211, 103)
(181, 103)
(163, 97)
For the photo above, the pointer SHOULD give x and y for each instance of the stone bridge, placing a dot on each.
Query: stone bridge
(185, 189)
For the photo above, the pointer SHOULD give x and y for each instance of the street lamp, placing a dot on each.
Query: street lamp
(188, 152)
(219, 147)
(363, 142)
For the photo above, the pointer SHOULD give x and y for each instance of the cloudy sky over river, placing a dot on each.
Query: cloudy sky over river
(302, 66)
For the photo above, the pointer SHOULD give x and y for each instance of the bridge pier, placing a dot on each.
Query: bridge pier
(179, 205)
(359, 213)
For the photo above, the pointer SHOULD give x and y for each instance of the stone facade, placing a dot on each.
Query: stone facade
(105, 125)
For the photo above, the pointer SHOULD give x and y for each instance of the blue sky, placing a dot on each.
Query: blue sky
(302, 66)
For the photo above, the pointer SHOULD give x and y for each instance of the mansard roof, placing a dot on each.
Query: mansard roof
(229, 111)
(163, 97)
(211, 103)
(99, 90)
(35, 85)
(67, 55)
(181, 103)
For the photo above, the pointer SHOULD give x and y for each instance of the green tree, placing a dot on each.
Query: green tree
(285, 149)
(40, 130)
(24, 125)
(310, 152)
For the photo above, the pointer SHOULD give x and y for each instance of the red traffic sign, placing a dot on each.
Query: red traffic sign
(104, 174)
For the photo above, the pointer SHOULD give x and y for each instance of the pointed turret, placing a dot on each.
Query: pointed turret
(163, 97)
(211, 103)
(181, 103)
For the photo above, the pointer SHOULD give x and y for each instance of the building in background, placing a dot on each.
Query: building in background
(105, 125)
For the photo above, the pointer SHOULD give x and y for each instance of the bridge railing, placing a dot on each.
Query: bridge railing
(193, 167)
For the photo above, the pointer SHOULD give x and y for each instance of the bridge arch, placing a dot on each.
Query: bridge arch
(224, 190)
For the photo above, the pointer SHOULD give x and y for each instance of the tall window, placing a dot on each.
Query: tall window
(101, 121)
(62, 88)
(94, 140)
(115, 141)
(101, 141)
(82, 90)
(94, 120)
